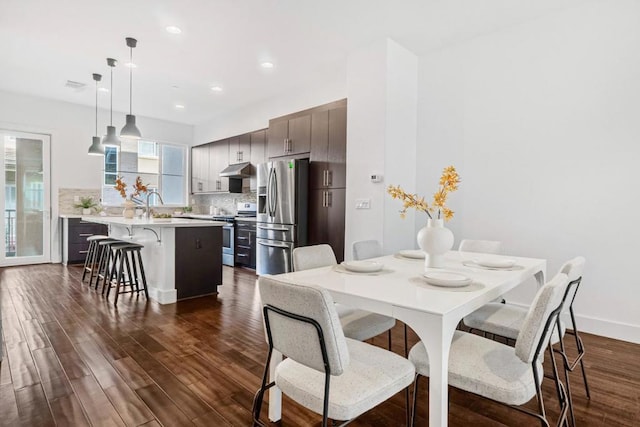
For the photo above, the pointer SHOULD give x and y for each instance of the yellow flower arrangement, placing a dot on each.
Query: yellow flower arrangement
(448, 183)
(138, 187)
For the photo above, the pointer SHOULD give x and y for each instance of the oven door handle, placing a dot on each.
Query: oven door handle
(273, 245)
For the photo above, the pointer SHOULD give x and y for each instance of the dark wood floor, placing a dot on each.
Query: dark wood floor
(71, 358)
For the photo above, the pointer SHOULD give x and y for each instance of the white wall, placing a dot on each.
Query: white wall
(382, 81)
(71, 127)
(542, 122)
(321, 89)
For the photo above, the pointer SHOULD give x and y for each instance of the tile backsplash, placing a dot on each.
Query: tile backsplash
(226, 202)
(66, 197)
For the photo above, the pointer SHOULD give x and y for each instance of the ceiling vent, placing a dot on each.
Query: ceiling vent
(77, 86)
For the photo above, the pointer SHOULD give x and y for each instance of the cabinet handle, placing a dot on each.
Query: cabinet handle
(290, 145)
(285, 145)
(324, 199)
(329, 197)
(85, 234)
(241, 255)
(328, 178)
(83, 252)
(199, 186)
(198, 244)
(241, 153)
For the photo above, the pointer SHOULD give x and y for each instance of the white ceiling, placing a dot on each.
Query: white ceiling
(44, 43)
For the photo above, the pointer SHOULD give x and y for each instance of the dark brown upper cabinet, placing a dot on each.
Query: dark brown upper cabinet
(328, 148)
(289, 135)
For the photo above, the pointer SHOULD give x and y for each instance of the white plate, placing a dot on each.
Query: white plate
(410, 253)
(446, 279)
(362, 266)
(496, 262)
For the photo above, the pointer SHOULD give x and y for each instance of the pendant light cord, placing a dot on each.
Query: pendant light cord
(111, 93)
(96, 108)
(130, 80)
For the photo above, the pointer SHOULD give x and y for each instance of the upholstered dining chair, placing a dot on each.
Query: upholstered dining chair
(357, 324)
(365, 249)
(506, 320)
(483, 246)
(325, 372)
(508, 375)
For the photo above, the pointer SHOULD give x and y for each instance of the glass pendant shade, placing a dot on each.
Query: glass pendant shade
(111, 139)
(130, 130)
(96, 149)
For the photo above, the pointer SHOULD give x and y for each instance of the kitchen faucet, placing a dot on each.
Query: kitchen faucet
(148, 212)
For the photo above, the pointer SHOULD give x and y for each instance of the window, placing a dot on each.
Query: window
(162, 168)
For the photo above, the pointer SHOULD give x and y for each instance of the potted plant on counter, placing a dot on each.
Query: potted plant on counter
(86, 204)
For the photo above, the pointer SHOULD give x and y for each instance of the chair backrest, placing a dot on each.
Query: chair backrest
(308, 257)
(365, 249)
(540, 320)
(573, 269)
(483, 246)
(298, 339)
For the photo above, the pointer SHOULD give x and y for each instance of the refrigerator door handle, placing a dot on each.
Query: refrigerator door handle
(260, 227)
(273, 245)
(270, 194)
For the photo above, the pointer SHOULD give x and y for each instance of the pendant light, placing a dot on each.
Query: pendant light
(130, 130)
(111, 139)
(96, 148)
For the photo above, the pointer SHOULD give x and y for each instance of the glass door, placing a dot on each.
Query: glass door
(24, 176)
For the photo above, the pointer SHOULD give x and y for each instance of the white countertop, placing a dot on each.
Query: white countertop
(165, 222)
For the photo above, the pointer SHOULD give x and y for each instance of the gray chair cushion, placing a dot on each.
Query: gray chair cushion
(362, 325)
(373, 376)
(308, 257)
(484, 367)
(483, 246)
(365, 249)
(504, 320)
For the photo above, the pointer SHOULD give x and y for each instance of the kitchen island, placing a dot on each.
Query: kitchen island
(182, 257)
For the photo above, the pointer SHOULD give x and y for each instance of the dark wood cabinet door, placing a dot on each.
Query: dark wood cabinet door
(335, 220)
(318, 167)
(337, 148)
(300, 134)
(317, 226)
(198, 260)
(277, 137)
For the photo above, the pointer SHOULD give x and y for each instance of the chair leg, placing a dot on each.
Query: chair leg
(389, 334)
(567, 381)
(581, 351)
(406, 344)
(414, 407)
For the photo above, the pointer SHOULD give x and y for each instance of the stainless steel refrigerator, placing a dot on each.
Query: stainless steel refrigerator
(282, 213)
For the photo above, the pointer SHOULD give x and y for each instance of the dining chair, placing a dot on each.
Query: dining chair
(482, 246)
(325, 372)
(365, 249)
(357, 324)
(508, 375)
(506, 320)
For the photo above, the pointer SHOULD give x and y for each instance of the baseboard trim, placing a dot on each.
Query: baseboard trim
(604, 327)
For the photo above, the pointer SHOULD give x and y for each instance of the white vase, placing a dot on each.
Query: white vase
(129, 209)
(435, 240)
(86, 211)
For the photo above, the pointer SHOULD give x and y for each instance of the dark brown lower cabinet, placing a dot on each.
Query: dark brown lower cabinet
(326, 219)
(198, 261)
(75, 245)
(245, 244)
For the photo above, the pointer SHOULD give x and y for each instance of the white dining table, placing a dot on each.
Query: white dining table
(433, 312)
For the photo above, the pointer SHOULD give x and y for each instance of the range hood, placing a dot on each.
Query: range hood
(239, 170)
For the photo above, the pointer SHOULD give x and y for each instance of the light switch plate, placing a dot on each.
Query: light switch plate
(363, 203)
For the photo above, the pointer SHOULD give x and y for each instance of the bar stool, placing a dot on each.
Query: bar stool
(92, 256)
(108, 271)
(128, 256)
(103, 255)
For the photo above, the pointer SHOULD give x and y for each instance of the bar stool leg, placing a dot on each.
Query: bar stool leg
(119, 277)
(105, 268)
(87, 259)
(113, 271)
(142, 276)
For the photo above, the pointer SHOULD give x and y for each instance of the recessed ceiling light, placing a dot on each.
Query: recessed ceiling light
(216, 89)
(180, 106)
(130, 65)
(103, 89)
(173, 29)
(267, 65)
